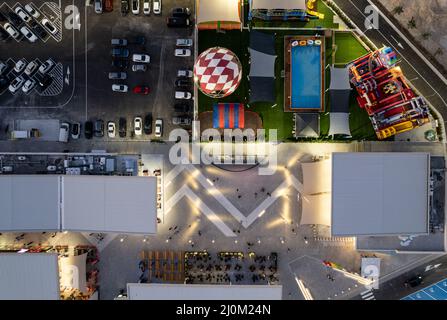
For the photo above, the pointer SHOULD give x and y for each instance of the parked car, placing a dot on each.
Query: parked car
(29, 85)
(141, 58)
(119, 53)
(119, 42)
(124, 7)
(12, 31)
(146, 7)
(75, 130)
(88, 130)
(183, 95)
(182, 83)
(111, 129)
(22, 14)
(31, 67)
(3, 17)
(158, 127)
(99, 128)
(98, 6)
(414, 281)
(184, 73)
(39, 30)
(135, 6)
(15, 19)
(137, 123)
(184, 42)
(4, 35)
(16, 84)
(49, 26)
(108, 5)
(181, 120)
(182, 52)
(46, 66)
(20, 65)
(120, 88)
(180, 12)
(122, 127)
(177, 22)
(139, 68)
(157, 6)
(35, 14)
(144, 90)
(117, 75)
(148, 124)
(120, 63)
(44, 81)
(182, 107)
(28, 34)
(64, 131)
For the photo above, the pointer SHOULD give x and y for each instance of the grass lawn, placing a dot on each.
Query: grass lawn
(348, 48)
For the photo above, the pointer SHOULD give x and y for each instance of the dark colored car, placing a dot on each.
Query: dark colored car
(88, 130)
(414, 282)
(182, 83)
(108, 5)
(120, 63)
(122, 127)
(148, 124)
(44, 81)
(177, 22)
(4, 36)
(39, 30)
(119, 53)
(182, 107)
(15, 19)
(98, 131)
(181, 12)
(124, 7)
(3, 17)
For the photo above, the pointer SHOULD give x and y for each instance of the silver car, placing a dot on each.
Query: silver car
(117, 75)
(16, 84)
(139, 68)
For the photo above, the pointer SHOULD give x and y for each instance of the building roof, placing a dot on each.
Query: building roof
(28, 203)
(380, 193)
(157, 291)
(33, 276)
(316, 177)
(307, 125)
(278, 4)
(218, 10)
(316, 209)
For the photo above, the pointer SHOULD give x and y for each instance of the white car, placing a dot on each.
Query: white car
(184, 73)
(28, 34)
(158, 127)
(147, 7)
(46, 66)
(29, 85)
(49, 26)
(139, 68)
(182, 52)
(135, 6)
(20, 65)
(142, 58)
(31, 67)
(16, 84)
(138, 126)
(13, 32)
(22, 14)
(120, 88)
(111, 129)
(98, 6)
(32, 11)
(183, 95)
(157, 6)
(184, 42)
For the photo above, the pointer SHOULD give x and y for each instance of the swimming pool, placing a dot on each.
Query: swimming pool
(306, 74)
(438, 291)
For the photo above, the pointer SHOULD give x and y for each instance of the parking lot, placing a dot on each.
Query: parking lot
(81, 89)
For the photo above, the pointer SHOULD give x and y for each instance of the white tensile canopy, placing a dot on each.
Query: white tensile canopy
(278, 4)
(73, 272)
(339, 124)
(158, 291)
(218, 10)
(316, 177)
(316, 209)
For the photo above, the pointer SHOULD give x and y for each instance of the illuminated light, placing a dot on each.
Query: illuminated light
(282, 240)
(167, 240)
(167, 184)
(65, 232)
(209, 181)
(122, 240)
(259, 241)
(261, 214)
(212, 241)
(235, 241)
(189, 241)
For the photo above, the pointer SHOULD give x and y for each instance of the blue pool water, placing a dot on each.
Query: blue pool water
(438, 291)
(306, 77)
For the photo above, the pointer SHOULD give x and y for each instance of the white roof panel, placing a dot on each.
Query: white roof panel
(156, 291)
(218, 10)
(278, 4)
(33, 276)
(380, 193)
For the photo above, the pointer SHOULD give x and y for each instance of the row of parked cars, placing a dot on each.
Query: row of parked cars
(25, 22)
(135, 4)
(179, 18)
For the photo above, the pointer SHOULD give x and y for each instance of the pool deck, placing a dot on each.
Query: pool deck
(288, 73)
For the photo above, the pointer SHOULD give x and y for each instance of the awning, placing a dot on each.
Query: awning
(262, 42)
(316, 209)
(73, 272)
(340, 79)
(339, 124)
(261, 64)
(218, 10)
(316, 177)
(262, 89)
(340, 100)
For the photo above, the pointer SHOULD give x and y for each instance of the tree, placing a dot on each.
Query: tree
(398, 10)
(426, 35)
(412, 23)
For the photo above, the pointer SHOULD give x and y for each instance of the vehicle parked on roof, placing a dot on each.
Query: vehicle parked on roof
(139, 68)
(137, 123)
(119, 42)
(136, 6)
(49, 26)
(12, 31)
(117, 75)
(31, 67)
(146, 7)
(144, 90)
(99, 128)
(22, 14)
(184, 42)
(29, 85)
(141, 58)
(46, 66)
(120, 63)
(98, 6)
(75, 130)
(108, 5)
(63, 132)
(88, 130)
(28, 34)
(33, 12)
(182, 107)
(20, 65)
(111, 129)
(157, 6)
(120, 88)
(183, 95)
(148, 124)
(122, 127)
(158, 128)
(16, 84)
(182, 52)
(184, 73)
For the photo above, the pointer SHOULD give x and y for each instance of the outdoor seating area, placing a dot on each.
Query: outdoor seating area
(202, 267)
(161, 266)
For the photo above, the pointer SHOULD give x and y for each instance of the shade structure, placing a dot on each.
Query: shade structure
(262, 42)
(261, 64)
(340, 79)
(278, 4)
(316, 209)
(29, 276)
(307, 125)
(339, 100)
(339, 124)
(316, 177)
(73, 272)
(157, 291)
(228, 116)
(215, 14)
(262, 89)
(217, 72)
